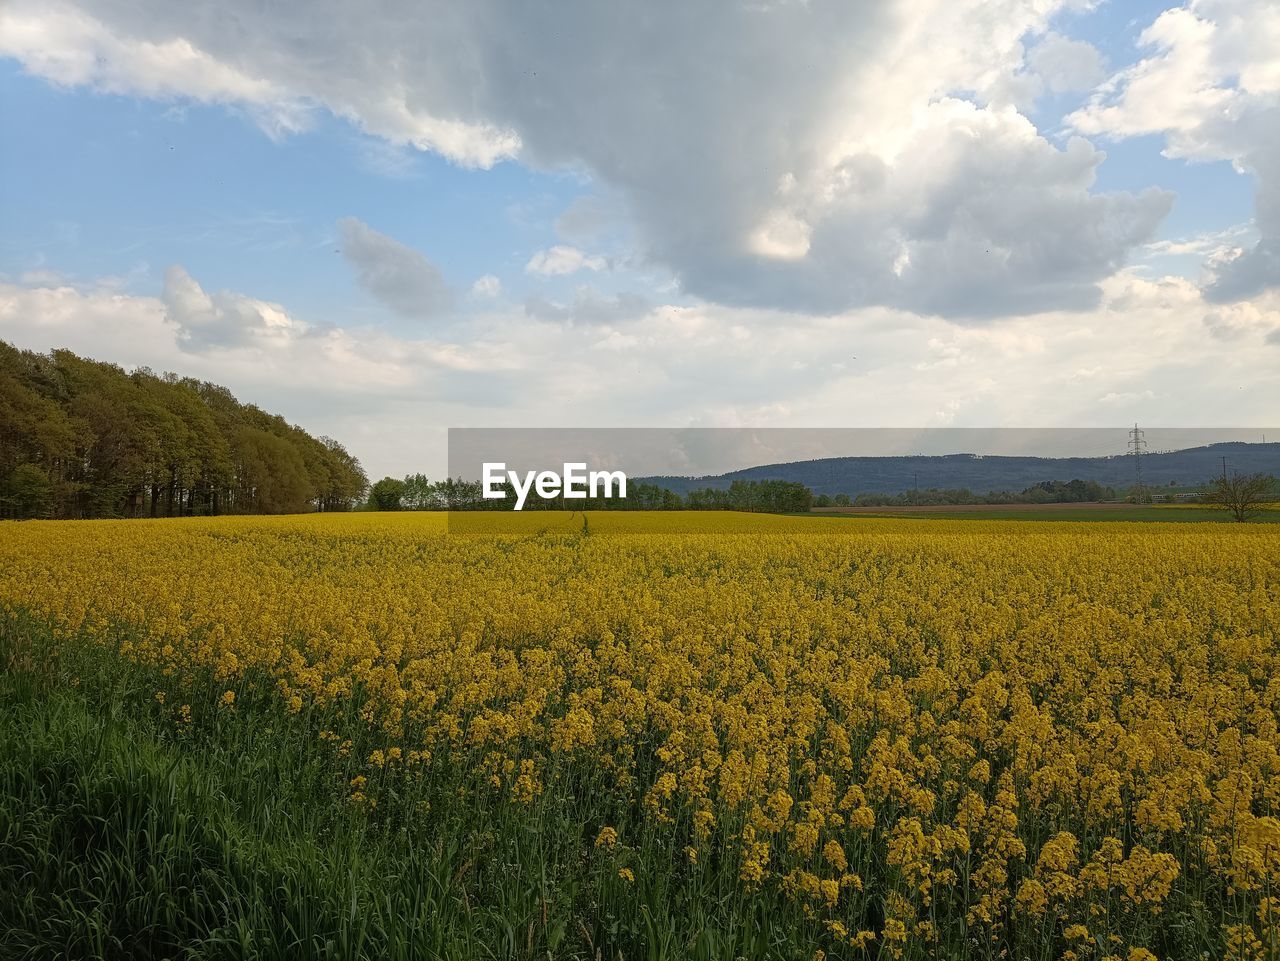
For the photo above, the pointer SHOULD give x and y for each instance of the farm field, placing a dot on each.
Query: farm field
(1164, 513)
(710, 736)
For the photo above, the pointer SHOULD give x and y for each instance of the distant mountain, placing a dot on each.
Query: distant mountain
(982, 473)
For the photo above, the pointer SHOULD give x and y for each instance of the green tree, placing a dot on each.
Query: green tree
(115, 444)
(29, 492)
(386, 494)
(419, 494)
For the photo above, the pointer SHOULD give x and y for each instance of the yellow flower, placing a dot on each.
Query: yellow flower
(834, 855)
(808, 707)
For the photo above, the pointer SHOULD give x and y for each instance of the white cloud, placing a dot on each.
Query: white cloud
(1211, 87)
(224, 319)
(750, 180)
(589, 306)
(217, 59)
(1130, 358)
(1239, 322)
(1065, 65)
(399, 276)
(1211, 244)
(561, 259)
(487, 287)
(67, 46)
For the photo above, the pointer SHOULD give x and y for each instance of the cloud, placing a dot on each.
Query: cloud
(589, 306)
(1066, 65)
(224, 319)
(562, 259)
(1211, 244)
(141, 50)
(1238, 322)
(362, 385)
(487, 287)
(958, 224)
(587, 218)
(387, 396)
(752, 181)
(399, 276)
(1211, 87)
(1244, 273)
(67, 46)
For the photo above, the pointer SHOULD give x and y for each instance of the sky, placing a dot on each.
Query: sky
(389, 218)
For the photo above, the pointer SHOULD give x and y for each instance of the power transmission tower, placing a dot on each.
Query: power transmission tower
(1137, 446)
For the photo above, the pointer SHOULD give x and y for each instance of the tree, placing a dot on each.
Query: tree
(272, 474)
(385, 494)
(1243, 495)
(29, 492)
(94, 440)
(349, 480)
(419, 493)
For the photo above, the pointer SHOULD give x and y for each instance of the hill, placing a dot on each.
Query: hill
(985, 473)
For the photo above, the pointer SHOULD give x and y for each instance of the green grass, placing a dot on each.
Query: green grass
(119, 840)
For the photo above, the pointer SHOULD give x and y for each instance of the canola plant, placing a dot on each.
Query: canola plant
(930, 738)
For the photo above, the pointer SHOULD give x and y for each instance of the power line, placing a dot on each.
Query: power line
(1137, 447)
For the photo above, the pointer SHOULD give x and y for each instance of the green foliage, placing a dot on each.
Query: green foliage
(386, 495)
(113, 444)
(419, 493)
(772, 496)
(1046, 492)
(28, 492)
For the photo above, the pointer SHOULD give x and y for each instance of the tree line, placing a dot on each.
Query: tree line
(416, 492)
(1046, 492)
(80, 438)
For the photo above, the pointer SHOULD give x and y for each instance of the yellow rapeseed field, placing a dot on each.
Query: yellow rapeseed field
(906, 728)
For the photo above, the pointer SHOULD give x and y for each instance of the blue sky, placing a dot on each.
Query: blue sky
(110, 185)
(300, 209)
